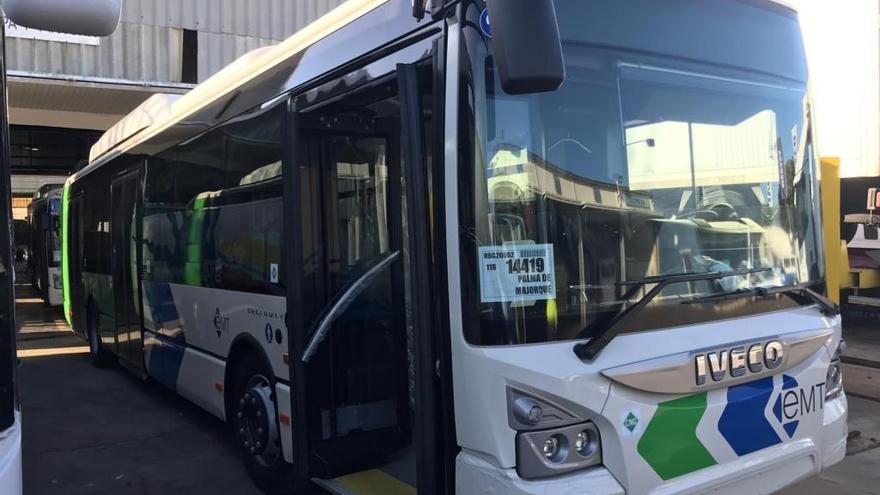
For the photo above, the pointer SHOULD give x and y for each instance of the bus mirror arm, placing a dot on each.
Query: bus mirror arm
(343, 301)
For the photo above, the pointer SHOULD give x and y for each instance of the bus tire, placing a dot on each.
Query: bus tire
(254, 420)
(99, 356)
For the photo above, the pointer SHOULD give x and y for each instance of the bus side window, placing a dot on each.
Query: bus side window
(212, 209)
(245, 233)
(198, 182)
(96, 226)
(162, 221)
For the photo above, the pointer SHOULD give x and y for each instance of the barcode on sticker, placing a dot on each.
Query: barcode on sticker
(532, 253)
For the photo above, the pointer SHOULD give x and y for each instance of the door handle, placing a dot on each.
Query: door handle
(343, 301)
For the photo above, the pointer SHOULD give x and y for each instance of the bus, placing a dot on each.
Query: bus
(518, 246)
(44, 248)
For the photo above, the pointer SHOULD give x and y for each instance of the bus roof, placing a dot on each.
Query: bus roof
(245, 69)
(152, 110)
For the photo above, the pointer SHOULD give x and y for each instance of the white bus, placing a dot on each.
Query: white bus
(529, 246)
(44, 248)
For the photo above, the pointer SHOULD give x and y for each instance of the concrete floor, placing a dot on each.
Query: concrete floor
(91, 431)
(859, 472)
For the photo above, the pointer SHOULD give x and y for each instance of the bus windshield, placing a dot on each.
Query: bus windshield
(643, 164)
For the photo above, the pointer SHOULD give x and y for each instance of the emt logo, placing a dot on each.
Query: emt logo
(795, 402)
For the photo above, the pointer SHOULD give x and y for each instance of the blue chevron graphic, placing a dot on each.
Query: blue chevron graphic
(743, 423)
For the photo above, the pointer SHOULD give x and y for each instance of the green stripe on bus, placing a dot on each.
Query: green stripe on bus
(670, 444)
(65, 263)
(192, 271)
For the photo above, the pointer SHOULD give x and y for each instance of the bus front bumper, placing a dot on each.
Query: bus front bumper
(474, 474)
(763, 472)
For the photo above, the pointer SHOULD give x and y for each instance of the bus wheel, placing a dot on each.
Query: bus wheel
(255, 423)
(100, 357)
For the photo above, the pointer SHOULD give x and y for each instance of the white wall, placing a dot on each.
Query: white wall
(843, 50)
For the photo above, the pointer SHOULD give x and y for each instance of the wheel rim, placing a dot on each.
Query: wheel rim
(255, 422)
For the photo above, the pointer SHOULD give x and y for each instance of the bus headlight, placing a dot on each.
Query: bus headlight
(586, 443)
(834, 376)
(553, 436)
(553, 448)
(540, 454)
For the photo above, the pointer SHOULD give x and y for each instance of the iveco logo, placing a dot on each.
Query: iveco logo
(737, 362)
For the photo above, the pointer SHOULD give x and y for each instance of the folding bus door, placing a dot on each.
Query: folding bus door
(365, 358)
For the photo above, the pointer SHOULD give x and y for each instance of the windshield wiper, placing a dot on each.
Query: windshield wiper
(590, 349)
(803, 294)
(800, 294)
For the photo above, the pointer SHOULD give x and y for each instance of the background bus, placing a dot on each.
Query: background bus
(44, 248)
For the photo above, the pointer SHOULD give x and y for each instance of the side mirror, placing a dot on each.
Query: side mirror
(88, 18)
(528, 48)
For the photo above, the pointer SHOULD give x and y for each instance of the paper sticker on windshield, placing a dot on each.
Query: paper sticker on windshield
(517, 272)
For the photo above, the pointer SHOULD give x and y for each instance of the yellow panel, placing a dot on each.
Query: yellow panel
(834, 263)
(848, 278)
(374, 482)
(868, 278)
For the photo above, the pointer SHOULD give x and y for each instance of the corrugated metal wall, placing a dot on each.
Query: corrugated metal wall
(147, 46)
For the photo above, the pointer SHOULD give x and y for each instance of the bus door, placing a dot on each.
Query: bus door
(124, 192)
(363, 358)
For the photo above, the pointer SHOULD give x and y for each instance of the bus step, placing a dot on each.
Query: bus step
(369, 482)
